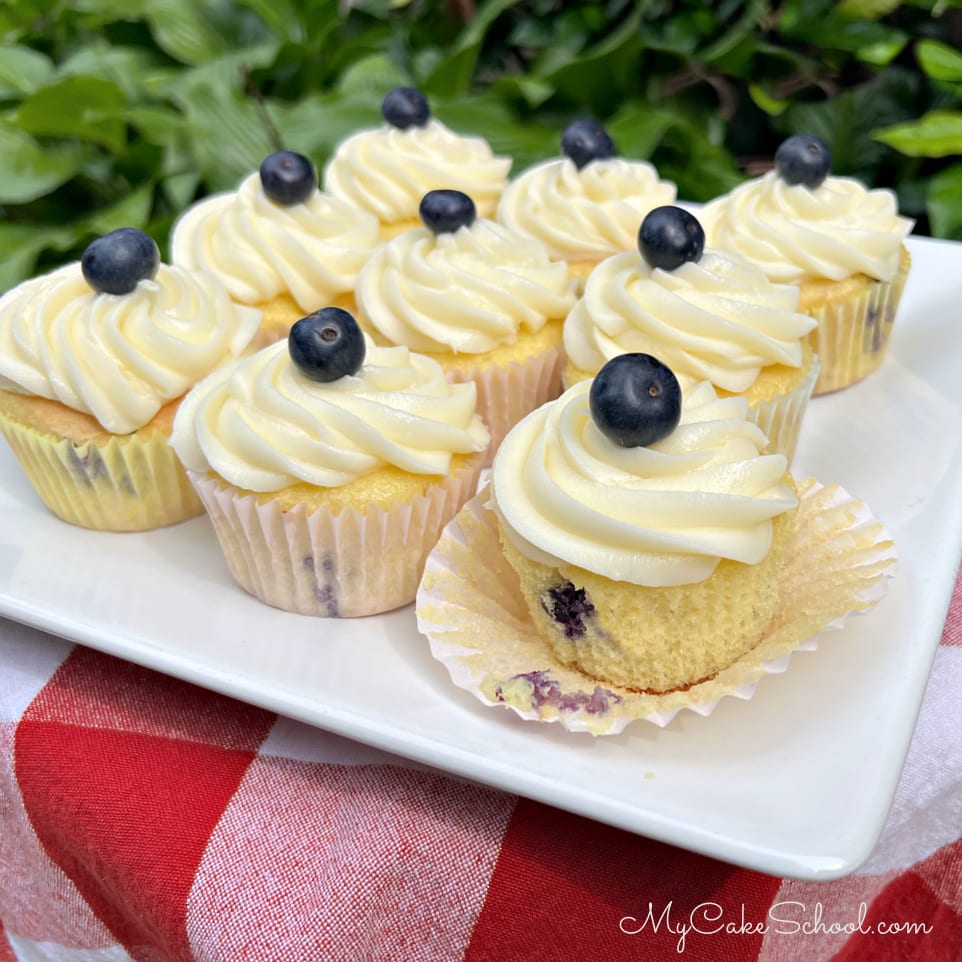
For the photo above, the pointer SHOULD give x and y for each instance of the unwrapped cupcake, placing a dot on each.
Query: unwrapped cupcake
(709, 315)
(388, 169)
(841, 244)
(587, 204)
(486, 303)
(278, 243)
(329, 466)
(94, 359)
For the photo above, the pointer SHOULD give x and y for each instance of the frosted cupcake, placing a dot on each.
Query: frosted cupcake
(587, 205)
(841, 244)
(487, 304)
(329, 466)
(94, 358)
(278, 243)
(389, 169)
(647, 534)
(709, 315)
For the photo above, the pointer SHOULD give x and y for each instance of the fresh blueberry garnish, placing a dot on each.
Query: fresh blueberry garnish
(288, 178)
(669, 237)
(444, 211)
(569, 606)
(117, 262)
(803, 159)
(586, 140)
(635, 400)
(327, 344)
(405, 107)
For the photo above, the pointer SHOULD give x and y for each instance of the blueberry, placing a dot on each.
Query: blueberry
(288, 178)
(446, 210)
(327, 345)
(635, 400)
(117, 262)
(803, 159)
(405, 107)
(584, 141)
(570, 607)
(670, 237)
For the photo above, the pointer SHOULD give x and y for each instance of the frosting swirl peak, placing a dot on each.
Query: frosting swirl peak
(660, 515)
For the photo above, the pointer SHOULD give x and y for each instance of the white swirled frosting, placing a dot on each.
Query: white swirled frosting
(660, 515)
(466, 291)
(584, 214)
(388, 171)
(263, 425)
(796, 234)
(312, 251)
(718, 319)
(119, 358)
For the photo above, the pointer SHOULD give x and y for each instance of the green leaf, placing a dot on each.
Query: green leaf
(22, 244)
(883, 53)
(637, 130)
(133, 210)
(22, 71)
(376, 74)
(185, 30)
(137, 71)
(773, 106)
(939, 60)
(869, 9)
(282, 16)
(84, 107)
(29, 171)
(937, 134)
(944, 203)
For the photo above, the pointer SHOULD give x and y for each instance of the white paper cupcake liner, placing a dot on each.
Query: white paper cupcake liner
(781, 417)
(344, 565)
(471, 611)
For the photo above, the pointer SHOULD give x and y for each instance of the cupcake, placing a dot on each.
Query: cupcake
(707, 314)
(278, 243)
(328, 466)
(647, 533)
(94, 359)
(588, 204)
(841, 244)
(487, 304)
(389, 169)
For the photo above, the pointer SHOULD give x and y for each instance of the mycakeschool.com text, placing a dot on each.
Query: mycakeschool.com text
(788, 918)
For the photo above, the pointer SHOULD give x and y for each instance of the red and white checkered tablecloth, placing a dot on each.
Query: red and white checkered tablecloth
(144, 818)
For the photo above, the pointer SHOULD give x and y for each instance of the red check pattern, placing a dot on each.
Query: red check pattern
(143, 818)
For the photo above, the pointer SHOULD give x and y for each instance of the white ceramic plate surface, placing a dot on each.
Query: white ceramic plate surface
(795, 782)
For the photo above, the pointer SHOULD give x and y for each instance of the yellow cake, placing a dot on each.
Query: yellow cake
(90, 381)
(650, 567)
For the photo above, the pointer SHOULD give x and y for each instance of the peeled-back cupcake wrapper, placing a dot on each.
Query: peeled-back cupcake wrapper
(131, 483)
(477, 624)
(342, 565)
(507, 394)
(781, 417)
(852, 335)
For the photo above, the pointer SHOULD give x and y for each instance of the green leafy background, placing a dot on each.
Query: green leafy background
(122, 112)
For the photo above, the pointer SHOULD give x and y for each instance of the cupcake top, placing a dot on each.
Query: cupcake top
(389, 169)
(655, 515)
(266, 423)
(712, 317)
(263, 241)
(119, 357)
(468, 285)
(801, 224)
(587, 204)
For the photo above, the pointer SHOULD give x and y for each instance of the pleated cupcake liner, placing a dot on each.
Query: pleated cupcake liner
(471, 610)
(507, 394)
(336, 565)
(131, 483)
(781, 417)
(853, 334)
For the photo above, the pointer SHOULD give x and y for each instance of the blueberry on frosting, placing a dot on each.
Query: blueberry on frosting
(288, 178)
(327, 345)
(586, 140)
(117, 262)
(669, 237)
(635, 400)
(444, 211)
(405, 107)
(803, 159)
